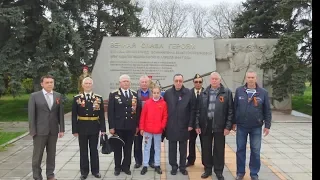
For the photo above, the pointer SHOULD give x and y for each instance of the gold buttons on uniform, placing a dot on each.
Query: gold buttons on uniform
(126, 117)
(86, 114)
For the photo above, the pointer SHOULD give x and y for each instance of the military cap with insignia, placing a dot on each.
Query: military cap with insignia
(197, 76)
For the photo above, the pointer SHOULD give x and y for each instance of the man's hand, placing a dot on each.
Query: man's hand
(75, 134)
(61, 134)
(190, 128)
(111, 131)
(226, 132)
(234, 127)
(266, 131)
(141, 132)
(198, 130)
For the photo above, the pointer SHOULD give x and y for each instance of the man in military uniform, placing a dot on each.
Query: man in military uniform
(87, 120)
(124, 110)
(85, 73)
(196, 91)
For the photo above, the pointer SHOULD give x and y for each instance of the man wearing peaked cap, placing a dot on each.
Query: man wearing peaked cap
(196, 91)
(85, 73)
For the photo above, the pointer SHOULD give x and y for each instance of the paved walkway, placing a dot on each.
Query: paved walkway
(286, 154)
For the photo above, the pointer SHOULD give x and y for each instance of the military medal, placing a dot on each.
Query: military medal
(58, 101)
(134, 105)
(96, 104)
(83, 103)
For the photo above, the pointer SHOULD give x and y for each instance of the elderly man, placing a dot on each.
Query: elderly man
(179, 103)
(124, 110)
(252, 110)
(87, 122)
(214, 122)
(144, 93)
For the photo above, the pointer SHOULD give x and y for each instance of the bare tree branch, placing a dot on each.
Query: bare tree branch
(200, 20)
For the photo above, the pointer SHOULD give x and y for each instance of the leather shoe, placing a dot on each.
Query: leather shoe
(173, 172)
(52, 178)
(206, 175)
(184, 172)
(136, 166)
(128, 172)
(220, 176)
(144, 170)
(83, 177)
(151, 165)
(116, 173)
(254, 178)
(98, 175)
(189, 164)
(239, 177)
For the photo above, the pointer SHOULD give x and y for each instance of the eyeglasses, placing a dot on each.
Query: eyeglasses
(178, 81)
(198, 82)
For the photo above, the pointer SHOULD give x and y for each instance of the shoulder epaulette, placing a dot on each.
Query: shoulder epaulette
(115, 91)
(97, 95)
(77, 95)
(133, 91)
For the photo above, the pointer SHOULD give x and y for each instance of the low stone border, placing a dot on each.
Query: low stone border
(15, 139)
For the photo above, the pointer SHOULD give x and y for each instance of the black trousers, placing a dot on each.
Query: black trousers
(138, 150)
(192, 146)
(173, 154)
(94, 157)
(213, 156)
(127, 136)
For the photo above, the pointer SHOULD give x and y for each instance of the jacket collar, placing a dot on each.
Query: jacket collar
(245, 87)
(221, 90)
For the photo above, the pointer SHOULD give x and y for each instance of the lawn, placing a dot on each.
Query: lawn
(303, 103)
(7, 136)
(16, 109)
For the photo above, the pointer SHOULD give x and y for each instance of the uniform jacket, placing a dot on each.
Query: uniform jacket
(195, 105)
(179, 114)
(121, 116)
(154, 116)
(248, 114)
(42, 120)
(223, 114)
(84, 108)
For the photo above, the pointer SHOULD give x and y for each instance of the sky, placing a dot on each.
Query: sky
(212, 2)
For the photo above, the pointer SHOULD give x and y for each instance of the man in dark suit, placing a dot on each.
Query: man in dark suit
(197, 82)
(179, 102)
(46, 123)
(124, 110)
(87, 121)
(214, 122)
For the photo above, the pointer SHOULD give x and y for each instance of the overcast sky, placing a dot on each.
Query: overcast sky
(212, 2)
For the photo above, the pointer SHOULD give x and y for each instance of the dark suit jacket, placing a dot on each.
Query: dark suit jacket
(120, 114)
(83, 126)
(42, 120)
(195, 105)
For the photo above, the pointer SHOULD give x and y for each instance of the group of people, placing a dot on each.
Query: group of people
(141, 118)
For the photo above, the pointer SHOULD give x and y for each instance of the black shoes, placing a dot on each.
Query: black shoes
(98, 175)
(116, 172)
(136, 166)
(128, 172)
(239, 177)
(151, 165)
(206, 175)
(158, 169)
(184, 172)
(220, 176)
(83, 177)
(144, 170)
(173, 171)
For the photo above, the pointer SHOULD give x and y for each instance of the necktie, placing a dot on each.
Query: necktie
(48, 100)
(198, 93)
(126, 94)
(88, 97)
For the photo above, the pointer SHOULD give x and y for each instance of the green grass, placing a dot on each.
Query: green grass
(16, 109)
(7, 136)
(302, 103)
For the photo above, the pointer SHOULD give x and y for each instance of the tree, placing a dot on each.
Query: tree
(257, 20)
(221, 20)
(170, 18)
(200, 20)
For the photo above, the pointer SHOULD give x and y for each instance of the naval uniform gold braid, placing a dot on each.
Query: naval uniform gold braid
(82, 118)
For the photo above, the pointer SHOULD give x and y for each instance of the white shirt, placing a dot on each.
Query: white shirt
(85, 94)
(50, 94)
(128, 92)
(195, 91)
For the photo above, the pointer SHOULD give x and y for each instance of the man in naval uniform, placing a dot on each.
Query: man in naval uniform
(124, 110)
(87, 121)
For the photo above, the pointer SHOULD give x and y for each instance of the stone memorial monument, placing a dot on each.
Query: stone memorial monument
(161, 58)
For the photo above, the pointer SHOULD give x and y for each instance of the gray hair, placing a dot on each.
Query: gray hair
(251, 71)
(124, 76)
(87, 79)
(215, 73)
(144, 77)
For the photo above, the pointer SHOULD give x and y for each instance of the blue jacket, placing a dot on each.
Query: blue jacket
(249, 115)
